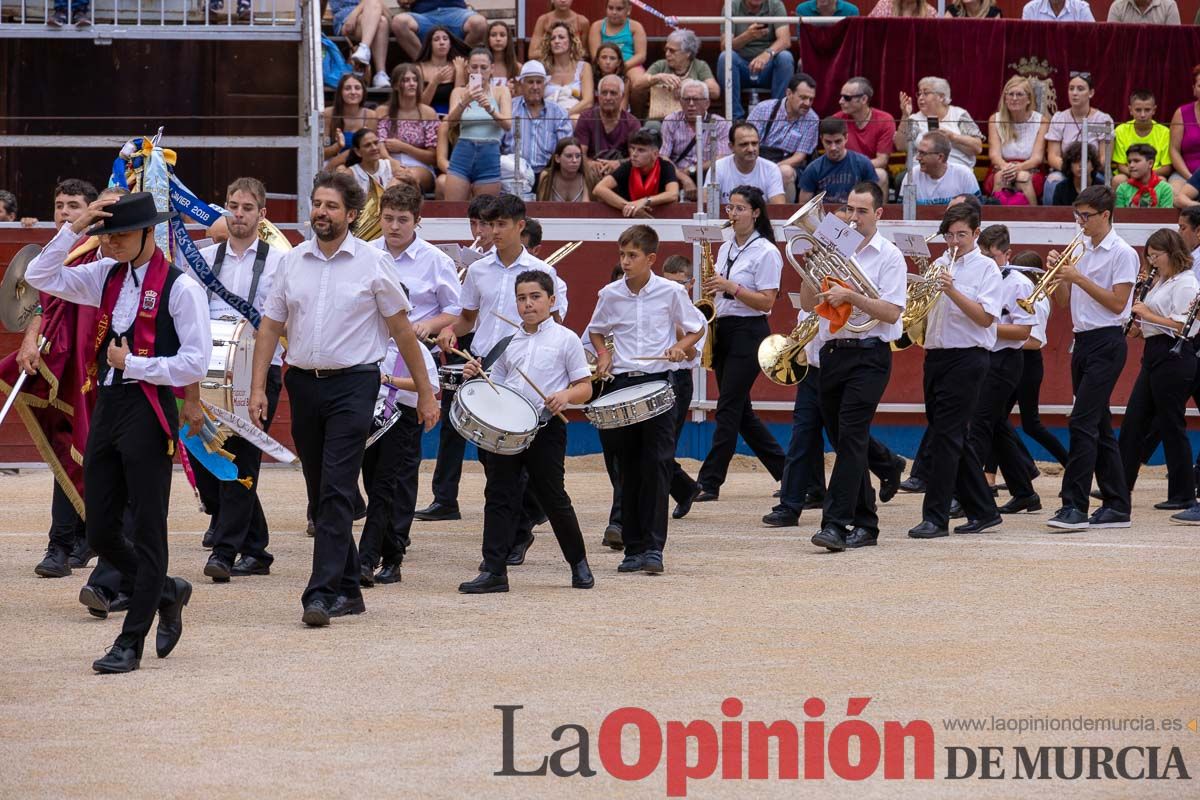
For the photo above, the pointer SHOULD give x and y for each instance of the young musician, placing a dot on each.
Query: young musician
(646, 315)
(1168, 370)
(337, 300)
(683, 488)
(143, 346)
(855, 367)
(748, 268)
(551, 357)
(246, 266)
(1099, 291)
(960, 332)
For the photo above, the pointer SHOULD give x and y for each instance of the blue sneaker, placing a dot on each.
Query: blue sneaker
(1069, 519)
(1107, 518)
(1189, 517)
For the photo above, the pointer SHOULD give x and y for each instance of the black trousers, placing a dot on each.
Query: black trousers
(735, 362)
(389, 472)
(1027, 398)
(1159, 398)
(331, 419)
(542, 463)
(644, 453)
(127, 464)
(1096, 364)
(953, 380)
(239, 525)
(1153, 435)
(107, 577)
(66, 526)
(447, 470)
(804, 464)
(990, 434)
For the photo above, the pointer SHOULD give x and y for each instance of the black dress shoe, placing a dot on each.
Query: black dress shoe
(250, 565)
(366, 575)
(55, 564)
(316, 613)
(436, 512)
(781, 517)
(927, 530)
(633, 562)
(889, 484)
(81, 555)
(345, 606)
(612, 538)
(912, 484)
(1173, 505)
(980, 525)
(217, 569)
(705, 496)
(581, 575)
(170, 619)
(210, 536)
(652, 562)
(389, 573)
(684, 506)
(516, 556)
(956, 510)
(485, 583)
(813, 502)
(120, 604)
(831, 538)
(96, 601)
(861, 537)
(1019, 504)
(118, 659)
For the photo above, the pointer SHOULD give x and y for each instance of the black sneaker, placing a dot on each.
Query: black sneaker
(652, 562)
(781, 517)
(81, 555)
(55, 564)
(612, 538)
(1069, 519)
(58, 19)
(632, 563)
(1107, 518)
(912, 485)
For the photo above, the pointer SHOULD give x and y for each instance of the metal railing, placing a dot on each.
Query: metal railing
(106, 20)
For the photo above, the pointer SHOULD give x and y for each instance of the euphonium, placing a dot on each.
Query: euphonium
(1045, 284)
(367, 227)
(923, 294)
(778, 356)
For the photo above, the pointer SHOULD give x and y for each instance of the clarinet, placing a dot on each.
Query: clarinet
(1140, 290)
(1193, 310)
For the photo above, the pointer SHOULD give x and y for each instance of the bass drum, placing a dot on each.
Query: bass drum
(227, 384)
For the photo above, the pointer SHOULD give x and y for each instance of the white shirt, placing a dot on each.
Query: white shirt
(957, 120)
(1113, 262)
(644, 324)
(1171, 298)
(552, 357)
(956, 180)
(1042, 314)
(429, 276)
(812, 350)
(1073, 11)
(84, 285)
(335, 308)
(756, 266)
(1013, 287)
(382, 174)
(1196, 262)
(237, 273)
(492, 287)
(976, 276)
(765, 175)
(883, 264)
(398, 368)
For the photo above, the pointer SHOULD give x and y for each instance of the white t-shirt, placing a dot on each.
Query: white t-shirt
(765, 176)
(956, 180)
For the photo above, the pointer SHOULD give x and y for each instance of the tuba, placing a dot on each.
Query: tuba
(778, 356)
(1045, 285)
(367, 227)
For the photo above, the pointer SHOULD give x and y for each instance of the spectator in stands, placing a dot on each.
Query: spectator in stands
(938, 180)
(531, 236)
(8, 206)
(762, 55)
(560, 11)
(679, 133)
(482, 113)
(1186, 197)
(836, 172)
(1141, 127)
(603, 131)
(408, 128)
(443, 65)
(365, 22)
(410, 28)
(369, 162)
(933, 102)
(973, 9)
(1185, 135)
(570, 82)
(1144, 12)
(606, 62)
(903, 8)
(564, 179)
(1145, 188)
(348, 116)
(1058, 11)
(540, 125)
(664, 77)
(869, 131)
(826, 8)
(787, 128)
(1017, 143)
(744, 166)
(505, 67)
(1066, 126)
(627, 34)
(1067, 190)
(642, 183)
(80, 11)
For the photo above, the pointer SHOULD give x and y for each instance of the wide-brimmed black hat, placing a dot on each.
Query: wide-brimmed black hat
(131, 212)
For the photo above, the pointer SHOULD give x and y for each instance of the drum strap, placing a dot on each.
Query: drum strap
(260, 261)
(497, 350)
(399, 370)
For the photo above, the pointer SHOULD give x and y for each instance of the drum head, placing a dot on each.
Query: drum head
(506, 411)
(628, 393)
(241, 368)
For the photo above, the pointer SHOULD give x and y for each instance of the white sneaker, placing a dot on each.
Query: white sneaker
(381, 81)
(362, 54)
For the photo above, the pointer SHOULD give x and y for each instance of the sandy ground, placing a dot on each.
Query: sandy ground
(399, 702)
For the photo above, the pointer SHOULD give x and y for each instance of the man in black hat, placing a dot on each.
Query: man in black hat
(142, 348)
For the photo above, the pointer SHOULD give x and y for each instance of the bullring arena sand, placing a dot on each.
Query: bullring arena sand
(399, 702)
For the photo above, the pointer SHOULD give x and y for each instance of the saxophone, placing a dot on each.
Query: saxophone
(707, 304)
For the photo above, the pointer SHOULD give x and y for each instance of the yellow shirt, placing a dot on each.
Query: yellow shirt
(1159, 138)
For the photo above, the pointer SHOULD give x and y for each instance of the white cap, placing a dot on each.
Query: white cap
(532, 69)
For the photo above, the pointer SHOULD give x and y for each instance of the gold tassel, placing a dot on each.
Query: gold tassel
(247, 481)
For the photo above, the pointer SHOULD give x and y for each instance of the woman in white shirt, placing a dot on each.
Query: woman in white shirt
(1164, 383)
(1017, 143)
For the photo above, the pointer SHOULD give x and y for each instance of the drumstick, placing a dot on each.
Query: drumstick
(468, 357)
(540, 393)
(505, 319)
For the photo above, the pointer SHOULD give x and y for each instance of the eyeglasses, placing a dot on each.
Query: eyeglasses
(847, 98)
(731, 209)
(1084, 216)
(692, 99)
(1018, 93)
(922, 153)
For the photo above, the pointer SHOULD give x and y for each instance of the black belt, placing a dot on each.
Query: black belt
(862, 344)
(332, 373)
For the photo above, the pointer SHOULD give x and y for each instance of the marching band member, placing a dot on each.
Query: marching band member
(682, 489)
(246, 265)
(1167, 375)
(552, 357)
(336, 299)
(960, 330)
(142, 347)
(646, 315)
(748, 268)
(855, 367)
(1099, 290)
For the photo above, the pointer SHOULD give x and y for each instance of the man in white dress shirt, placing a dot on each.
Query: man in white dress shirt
(745, 166)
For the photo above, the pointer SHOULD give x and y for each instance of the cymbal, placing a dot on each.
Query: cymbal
(18, 298)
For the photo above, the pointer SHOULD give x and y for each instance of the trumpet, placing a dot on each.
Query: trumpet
(1045, 285)
(778, 356)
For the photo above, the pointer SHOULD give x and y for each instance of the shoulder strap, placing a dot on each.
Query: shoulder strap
(260, 261)
(767, 133)
(217, 263)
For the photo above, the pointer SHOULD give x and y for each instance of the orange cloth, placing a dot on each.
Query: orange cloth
(838, 316)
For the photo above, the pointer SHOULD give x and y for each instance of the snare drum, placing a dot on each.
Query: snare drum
(631, 405)
(451, 377)
(503, 424)
(227, 384)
